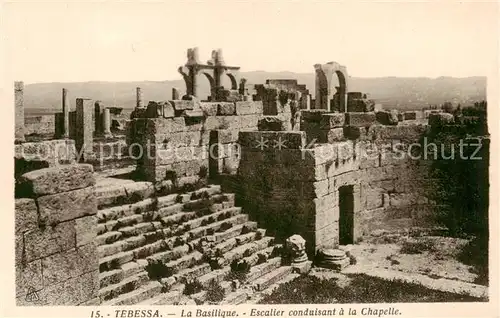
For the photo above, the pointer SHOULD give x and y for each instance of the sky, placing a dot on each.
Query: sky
(135, 41)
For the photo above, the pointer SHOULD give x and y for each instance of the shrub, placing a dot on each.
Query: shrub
(193, 287)
(215, 292)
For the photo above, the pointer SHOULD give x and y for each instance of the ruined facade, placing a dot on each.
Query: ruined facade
(236, 181)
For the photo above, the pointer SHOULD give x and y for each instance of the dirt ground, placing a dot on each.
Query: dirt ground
(434, 256)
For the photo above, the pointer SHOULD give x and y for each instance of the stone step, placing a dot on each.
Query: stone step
(212, 218)
(260, 270)
(117, 275)
(247, 249)
(169, 298)
(115, 261)
(236, 297)
(216, 229)
(120, 211)
(108, 238)
(114, 225)
(145, 292)
(197, 204)
(233, 242)
(190, 274)
(110, 195)
(261, 256)
(130, 243)
(187, 261)
(218, 275)
(249, 226)
(170, 255)
(272, 277)
(125, 286)
(258, 296)
(121, 244)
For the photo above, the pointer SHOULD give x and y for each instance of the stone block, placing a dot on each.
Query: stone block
(180, 105)
(313, 115)
(332, 135)
(360, 119)
(223, 136)
(209, 109)
(332, 120)
(249, 121)
(164, 125)
(410, 115)
(72, 263)
(52, 239)
(60, 207)
(26, 215)
(226, 109)
(387, 117)
(58, 179)
(29, 278)
(327, 235)
(74, 291)
(86, 230)
(249, 107)
(440, 119)
(269, 139)
(271, 123)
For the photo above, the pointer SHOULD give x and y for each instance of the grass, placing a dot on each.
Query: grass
(361, 289)
(475, 254)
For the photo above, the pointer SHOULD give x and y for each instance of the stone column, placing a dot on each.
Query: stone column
(106, 122)
(55, 229)
(138, 97)
(83, 131)
(97, 118)
(65, 107)
(175, 94)
(19, 104)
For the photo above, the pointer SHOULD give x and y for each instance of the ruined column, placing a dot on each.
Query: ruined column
(19, 104)
(83, 131)
(138, 97)
(65, 108)
(175, 94)
(106, 122)
(97, 118)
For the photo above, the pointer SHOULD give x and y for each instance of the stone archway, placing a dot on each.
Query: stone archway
(324, 89)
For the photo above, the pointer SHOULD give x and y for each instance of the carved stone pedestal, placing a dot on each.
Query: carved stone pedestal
(333, 258)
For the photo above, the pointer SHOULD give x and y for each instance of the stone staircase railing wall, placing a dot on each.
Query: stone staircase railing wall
(56, 257)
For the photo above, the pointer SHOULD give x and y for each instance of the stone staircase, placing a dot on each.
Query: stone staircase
(154, 250)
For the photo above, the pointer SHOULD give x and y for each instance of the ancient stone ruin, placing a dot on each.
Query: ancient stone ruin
(238, 190)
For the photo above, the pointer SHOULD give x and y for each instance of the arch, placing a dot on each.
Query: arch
(234, 81)
(324, 91)
(213, 86)
(184, 71)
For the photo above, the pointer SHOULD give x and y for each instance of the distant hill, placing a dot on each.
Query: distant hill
(392, 92)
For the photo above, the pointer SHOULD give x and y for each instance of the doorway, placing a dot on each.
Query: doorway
(346, 215)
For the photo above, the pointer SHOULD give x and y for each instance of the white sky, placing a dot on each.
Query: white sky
(111, 41)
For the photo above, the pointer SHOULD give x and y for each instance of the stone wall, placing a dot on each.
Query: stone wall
(41, 125)
(180, 139)
(56, 259)
(294, 188)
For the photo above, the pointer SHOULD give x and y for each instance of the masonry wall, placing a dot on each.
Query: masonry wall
(55, 223)
(296, 190)
(180, 142)
(41, 125)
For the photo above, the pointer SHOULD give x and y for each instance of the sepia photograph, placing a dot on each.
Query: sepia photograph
(223, 159)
